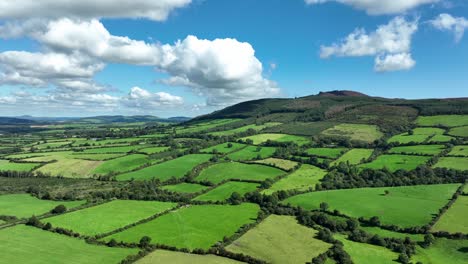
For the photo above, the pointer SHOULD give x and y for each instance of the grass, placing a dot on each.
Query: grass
(440, 139)
(109, 216)
(358, 132)
(456, 163)
(396, 162)
(224, 191)
(454, 220)
(194, 226)
(459, 151)
(367, 254)
(405, 138)
(418, 150)
(185, 188)
(205, 126)
(280, 239)
(123, 164)
(252, 152)
(354, 156)
(443, 251)
(71, 168)
(459, 131)
(6, 165)
(405, 206)
(177, 168)
(392, 234)
(174, 257)
(30, 245)
(25, 205)
(443, 120)
(283, 164)
(237, 171)
(304, 178)
(153, 150)
(104, 156)
(262, 138)
(244, 129)
(223, 148)
(332, 153)
(116, 149)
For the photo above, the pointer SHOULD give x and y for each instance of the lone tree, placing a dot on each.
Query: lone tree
(145, 241)
(374, 221)
(235, 198)
(428, 240)
(323, 206)
(387, 192)
(59, 209)
(229, 145)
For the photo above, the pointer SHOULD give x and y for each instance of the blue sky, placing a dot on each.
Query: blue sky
(57, 60)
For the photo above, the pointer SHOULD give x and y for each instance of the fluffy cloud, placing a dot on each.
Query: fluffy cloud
(446, 22)
(141, 98)
(157, 10)
(379, 7)
(390, 43)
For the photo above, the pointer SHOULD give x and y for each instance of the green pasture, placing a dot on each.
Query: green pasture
(122, 164)
(456, 163)
(454, 220)
(331, 153)
(443, 120)
(358, 132)
(185, 188)
(304, 178)
(224, 191)
(252, 152)
(354, 156)
(237, 171)
(396, 162)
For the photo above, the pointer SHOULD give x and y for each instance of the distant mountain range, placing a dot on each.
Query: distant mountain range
(29, 120)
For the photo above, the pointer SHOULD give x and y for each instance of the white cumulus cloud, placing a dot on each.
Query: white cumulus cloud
(141, 98)
(379, 7)
(394, 62)
(447, 22)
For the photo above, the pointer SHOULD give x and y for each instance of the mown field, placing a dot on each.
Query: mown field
(195, 226)
(418, 150)
(123, 164)
(292, 243)
(367, 254)
(283, 164)
(354, 156)
(224, 148)
(225, 191)
(454, 220)
(30, 245)
(443, 120)
(6, 165)
(396, 162)
(457, 163)
(252, 153)
(459, 131)
(416, 203)
(459, 151)
(165, 256)
(358, 132)
(237, 171)
(304, 178)
(443, 251)
(262, 138)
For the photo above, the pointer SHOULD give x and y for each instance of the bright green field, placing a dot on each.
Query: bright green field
(443, 251)
(443, 120)
(251, 152)
(387, 233)
(416, 203)
(459, 131)
(30, 245)
(237, 171)
(72, 168)
(405, 138)
(459, 151)
(262, 138)
(103, 156)
(457, 163)
(419, 149)
(280, 239)
(326, 152)
(396, 162)
(454, 220)
(122, 164)
(279, 163)
(205, 126)
(428, 131)
(25, 205)
(6, 165)
(185, 188)
(174, 257)
(153, 150)
(359, 132)
(116, 149)
(366, 253)
(354, 156)
(440, 139)
(223, 148)
(304, 178)
(164, 171)
(244, 128)
(224, 191)
(109, 216)
(195, 226)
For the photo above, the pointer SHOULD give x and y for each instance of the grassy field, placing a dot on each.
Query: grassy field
(419, 149)
(406, 138)
(164, 171)
(358, 132)
(109, 216)
(174, 257)
(115, 149)
(280, 239)
(457, 163)
(332, 153)
(203, 126)
(196, 226)
(30, 245)
(185, 188)
(239, 171)
(123, 164)
(262, 138)
(367, 254)
(454, 220)
(416, 203)
(443, 120)
(440, 139)
(153, 150)
(244, 128)
(459, 131)
(459, 151)
(304, 178)
(279, 163)
(443, 251)
(103, 156)
(252, 152)
(223, 148)
(224, 191)
(396, 162)
(6, 165)
(25, 205)
(354, 156)
(71, 168)
(387, 233)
